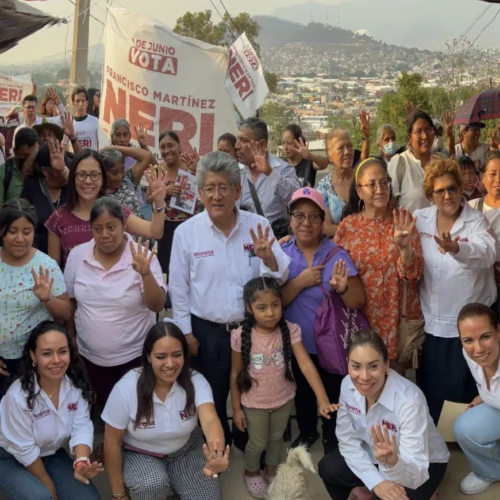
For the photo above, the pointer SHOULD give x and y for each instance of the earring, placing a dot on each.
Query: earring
(387, 372)
(34, 364)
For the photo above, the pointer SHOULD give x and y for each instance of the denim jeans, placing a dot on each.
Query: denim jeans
(16, 483)
(478, 433)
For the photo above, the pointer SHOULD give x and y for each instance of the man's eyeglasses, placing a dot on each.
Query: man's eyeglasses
(300, 217)
(372, 186)
(211, 190)
(451, 190)
(94, 176)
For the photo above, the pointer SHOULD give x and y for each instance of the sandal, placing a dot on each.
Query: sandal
(357, 494)
(256, 486)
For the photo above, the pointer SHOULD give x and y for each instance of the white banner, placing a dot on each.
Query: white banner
(245, 81)
(154, 77)
(12, 91)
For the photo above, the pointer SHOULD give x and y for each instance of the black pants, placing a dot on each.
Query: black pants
(165, 244)
(306, 405)
(12, 365)
(340, 480)
(444, 374)
(214, 362)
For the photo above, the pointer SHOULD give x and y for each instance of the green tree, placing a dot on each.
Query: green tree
(277, 116)
(199, 25)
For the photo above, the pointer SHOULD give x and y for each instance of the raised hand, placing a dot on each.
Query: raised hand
(260, 158)
(385, 447)
(404, 223)
(56, 155)
(174, 190)
(446, 243)
(262, 243)
(326, 408)
(302, 148)
(43, 284)
(141, 136)
(448, 118)
(68, 125)
(51, 93)
(340, 276)
(141, 262)
(364, 119)
(387, 490)
(85, 472)
(191, 160)
(158, 189)
(312, 276)
(217, 459)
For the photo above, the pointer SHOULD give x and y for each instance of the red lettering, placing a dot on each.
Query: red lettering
(10, 95)
(244, 88)
(153, 62)
(169, 117)
(235, 71)
(144, 112)
(116, 106)
(207, 130)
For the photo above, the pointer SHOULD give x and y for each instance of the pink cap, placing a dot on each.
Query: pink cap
(307, 193)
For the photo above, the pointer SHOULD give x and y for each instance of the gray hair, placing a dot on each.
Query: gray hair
(257, 126)
(381, 131)
(110, 157)
(120, 122)
(218, 162)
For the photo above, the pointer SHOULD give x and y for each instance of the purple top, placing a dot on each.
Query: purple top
(303, 309)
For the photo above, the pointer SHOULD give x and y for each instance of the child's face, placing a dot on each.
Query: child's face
(470, 178)
(267, 311)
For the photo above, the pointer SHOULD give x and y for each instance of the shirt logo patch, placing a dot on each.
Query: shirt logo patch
(42, 414)
(390, 426)
(425, 235)
(144, 425)
(187, 415)
(72, 406)
(354, 410)
(202, 255)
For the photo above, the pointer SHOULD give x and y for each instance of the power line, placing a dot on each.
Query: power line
(93, 17)
(483, 30)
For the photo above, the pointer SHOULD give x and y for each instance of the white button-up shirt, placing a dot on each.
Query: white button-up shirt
(489, 396)
(28, 434)
(403, 409)
(452, 281)
(171, 425)
(209, 270)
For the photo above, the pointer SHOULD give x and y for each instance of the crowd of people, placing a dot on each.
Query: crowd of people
(283, 295)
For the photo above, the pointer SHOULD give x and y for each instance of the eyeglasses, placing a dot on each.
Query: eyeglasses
(451, 190)
(82, 176)
(428, 131)
(300, 217)
(383, 184)
(211, 190)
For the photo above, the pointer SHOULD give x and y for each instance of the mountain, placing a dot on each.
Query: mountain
(426, 24)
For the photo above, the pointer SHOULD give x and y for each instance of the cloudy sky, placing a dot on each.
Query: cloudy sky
(51, 43)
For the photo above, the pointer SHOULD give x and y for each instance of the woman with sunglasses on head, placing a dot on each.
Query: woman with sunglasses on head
(385, 248)
(44, 410)
(69, 226)
(459, 250)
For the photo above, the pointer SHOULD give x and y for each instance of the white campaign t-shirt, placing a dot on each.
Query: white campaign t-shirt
(171, 426)
(479, 155)
(86, 131)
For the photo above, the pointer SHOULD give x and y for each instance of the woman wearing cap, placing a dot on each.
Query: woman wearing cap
(459, 250)
(406, 170)
(45, 189)
(478, 429)
(385, 248)
(310, 269)
(471, 145)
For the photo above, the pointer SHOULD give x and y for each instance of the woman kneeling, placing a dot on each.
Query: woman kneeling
(388, 443)
(153, 411)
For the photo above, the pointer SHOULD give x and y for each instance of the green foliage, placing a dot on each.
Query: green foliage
(200, 26)
(352, 125)
(277, 116)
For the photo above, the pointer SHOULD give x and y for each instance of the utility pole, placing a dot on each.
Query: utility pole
(79, 61)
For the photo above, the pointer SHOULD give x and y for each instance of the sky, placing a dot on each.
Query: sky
(51, 43)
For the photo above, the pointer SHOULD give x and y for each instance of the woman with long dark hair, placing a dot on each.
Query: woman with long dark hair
(152, 441)
(94, 102)
(45, 408)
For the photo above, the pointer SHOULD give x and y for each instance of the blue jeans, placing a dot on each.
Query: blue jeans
(478, 433)
(16, 483)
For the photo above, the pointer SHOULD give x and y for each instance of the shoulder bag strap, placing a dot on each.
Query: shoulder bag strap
(331, 254)
(45, 191)
(400, 172)
(480, 205)
(405, 300)
(255, 198)
(9, 170)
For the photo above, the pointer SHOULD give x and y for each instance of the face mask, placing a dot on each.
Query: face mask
(390, 148)
(438, 143)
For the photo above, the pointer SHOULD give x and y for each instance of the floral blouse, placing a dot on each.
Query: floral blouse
(172, 214)
(372, 248)
(332, 201)
(127, 194)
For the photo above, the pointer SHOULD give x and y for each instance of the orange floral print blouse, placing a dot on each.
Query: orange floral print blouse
(371, 245)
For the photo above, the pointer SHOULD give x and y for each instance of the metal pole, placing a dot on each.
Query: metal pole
(79, 61)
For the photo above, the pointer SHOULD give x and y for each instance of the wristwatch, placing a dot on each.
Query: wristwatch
(342, 293)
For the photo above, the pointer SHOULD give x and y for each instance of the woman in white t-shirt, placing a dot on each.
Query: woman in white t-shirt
(478, 429)
(152, 441)
(407, 169)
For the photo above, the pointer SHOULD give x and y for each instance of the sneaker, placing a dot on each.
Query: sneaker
(305, 441)
(473, 484)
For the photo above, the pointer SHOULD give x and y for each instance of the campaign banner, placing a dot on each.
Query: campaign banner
(12, 91)
(245, 81)
(164, 81)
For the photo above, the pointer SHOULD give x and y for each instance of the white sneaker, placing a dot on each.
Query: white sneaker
(472, 484)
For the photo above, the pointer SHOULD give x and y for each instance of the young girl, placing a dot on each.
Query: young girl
(262, 385)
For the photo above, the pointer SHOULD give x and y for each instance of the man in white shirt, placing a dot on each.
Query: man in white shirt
(214, 254)
(470, 136)
(86, 126)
